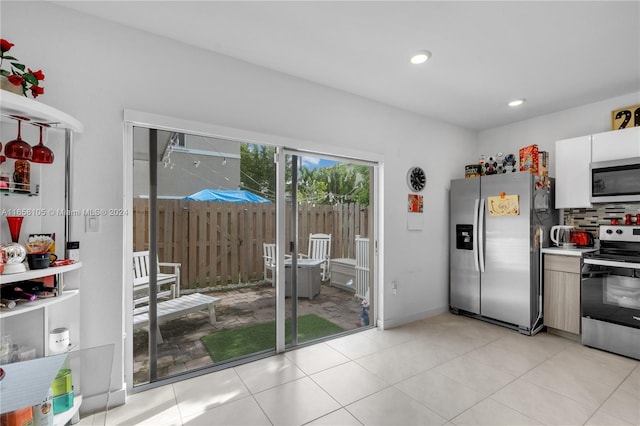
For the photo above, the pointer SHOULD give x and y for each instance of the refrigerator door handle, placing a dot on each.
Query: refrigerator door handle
(481, 236)
(475, 234)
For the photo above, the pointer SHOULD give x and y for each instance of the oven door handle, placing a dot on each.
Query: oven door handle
(613, 263)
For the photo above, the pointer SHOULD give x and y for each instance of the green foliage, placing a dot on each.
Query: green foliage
(338, 184)
(257, 170)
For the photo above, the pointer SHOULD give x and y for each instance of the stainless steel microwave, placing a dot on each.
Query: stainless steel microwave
(615, 181)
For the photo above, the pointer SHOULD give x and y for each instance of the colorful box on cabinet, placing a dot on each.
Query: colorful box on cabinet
(543, 163)
(529, 159)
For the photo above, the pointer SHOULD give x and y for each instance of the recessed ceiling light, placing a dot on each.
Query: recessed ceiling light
(517, 102)
(420, 57)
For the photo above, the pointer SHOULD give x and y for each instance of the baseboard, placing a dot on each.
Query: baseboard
(397, 322)
(565, 334)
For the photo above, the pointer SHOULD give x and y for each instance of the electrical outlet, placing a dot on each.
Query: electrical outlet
(394, 287)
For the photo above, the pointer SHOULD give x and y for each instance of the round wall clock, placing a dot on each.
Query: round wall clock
(417, 179)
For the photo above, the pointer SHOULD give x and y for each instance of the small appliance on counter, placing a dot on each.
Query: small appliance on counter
(581, 239)
(561, 236)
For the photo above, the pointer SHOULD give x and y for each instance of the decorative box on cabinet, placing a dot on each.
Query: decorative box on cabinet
(562, 292)
(572, 173)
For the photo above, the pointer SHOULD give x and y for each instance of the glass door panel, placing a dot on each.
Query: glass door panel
(203, 234)
(328, 259)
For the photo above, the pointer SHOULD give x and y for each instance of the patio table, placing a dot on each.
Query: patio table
(309, 277)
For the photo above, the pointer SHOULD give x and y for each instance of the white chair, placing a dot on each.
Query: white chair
(362, 268)
(141, 270)
(269, 257)
(320, 249)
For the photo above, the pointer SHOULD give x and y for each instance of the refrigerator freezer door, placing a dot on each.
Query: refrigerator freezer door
(464, 288)
(508, 293)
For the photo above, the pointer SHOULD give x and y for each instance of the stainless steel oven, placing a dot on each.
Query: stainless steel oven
(610, 296)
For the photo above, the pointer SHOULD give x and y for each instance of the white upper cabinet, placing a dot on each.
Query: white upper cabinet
(572, 172)
(616, 145)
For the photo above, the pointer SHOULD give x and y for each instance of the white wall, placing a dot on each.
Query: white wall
(546, 130)
(95, 69)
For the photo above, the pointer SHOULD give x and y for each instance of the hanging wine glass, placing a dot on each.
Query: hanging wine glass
(17, 148)
(40, 153)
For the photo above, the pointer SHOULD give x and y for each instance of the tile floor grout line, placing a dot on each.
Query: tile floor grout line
(611, 395)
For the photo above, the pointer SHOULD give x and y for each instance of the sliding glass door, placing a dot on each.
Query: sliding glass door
(240, 250)
(203, 233)
(329, 223)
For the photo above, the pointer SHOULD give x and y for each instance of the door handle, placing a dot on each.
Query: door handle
(481, 236)
(475, 234)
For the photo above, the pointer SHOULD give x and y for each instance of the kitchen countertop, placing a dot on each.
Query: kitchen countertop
(567, 251)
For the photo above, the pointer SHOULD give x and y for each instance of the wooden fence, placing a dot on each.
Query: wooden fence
(221, 243)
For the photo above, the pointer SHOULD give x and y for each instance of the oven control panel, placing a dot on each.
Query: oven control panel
(620, 233)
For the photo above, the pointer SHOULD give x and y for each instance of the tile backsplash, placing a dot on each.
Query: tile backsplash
(601, 214)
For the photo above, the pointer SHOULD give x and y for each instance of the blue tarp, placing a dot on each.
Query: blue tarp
(226, 195)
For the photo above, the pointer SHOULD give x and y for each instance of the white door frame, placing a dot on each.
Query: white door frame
(283, 145)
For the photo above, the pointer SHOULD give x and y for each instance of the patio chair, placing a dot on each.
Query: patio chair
(362, 268)
(320, 249)
(141, 270)
(269, 257)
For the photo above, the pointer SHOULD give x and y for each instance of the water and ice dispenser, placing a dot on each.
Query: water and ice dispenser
(464, 237)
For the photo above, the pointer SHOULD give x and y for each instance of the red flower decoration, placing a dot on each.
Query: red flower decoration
(36, 90)
(37, 74)
(5, 45)
(28, 80)
(16, 80)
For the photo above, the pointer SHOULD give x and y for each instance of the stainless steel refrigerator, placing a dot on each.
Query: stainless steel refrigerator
(498, 224)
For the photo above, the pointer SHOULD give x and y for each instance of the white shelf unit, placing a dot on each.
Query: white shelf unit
(24, 307)
(13, 104)
(38, 273)
(29, 323)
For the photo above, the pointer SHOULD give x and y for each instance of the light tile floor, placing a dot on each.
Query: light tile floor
(443, 370)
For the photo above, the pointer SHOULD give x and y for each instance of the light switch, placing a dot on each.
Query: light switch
(91, 224)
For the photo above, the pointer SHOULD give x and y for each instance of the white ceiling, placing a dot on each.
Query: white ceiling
(558, 55)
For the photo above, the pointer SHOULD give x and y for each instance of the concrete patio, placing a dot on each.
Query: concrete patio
(182, 350)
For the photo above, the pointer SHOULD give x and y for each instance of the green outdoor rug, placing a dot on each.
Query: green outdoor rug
(237, 342)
